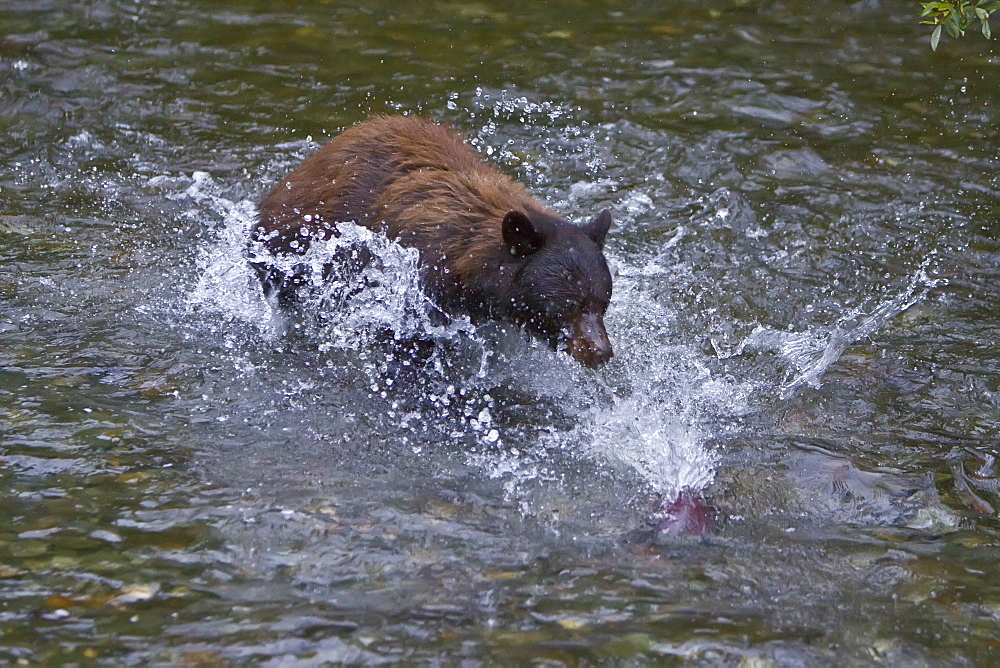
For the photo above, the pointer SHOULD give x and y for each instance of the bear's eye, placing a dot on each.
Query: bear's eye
(574, 305)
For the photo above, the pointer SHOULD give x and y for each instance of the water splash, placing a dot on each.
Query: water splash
(668, 451)
(811, 353)
(667, 406)
(358, 285)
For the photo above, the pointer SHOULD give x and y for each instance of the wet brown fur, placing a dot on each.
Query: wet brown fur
(408, 178)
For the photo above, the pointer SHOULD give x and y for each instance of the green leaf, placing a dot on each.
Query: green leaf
(992, 7)
(954, 26)
(935, 38)
(986, 30)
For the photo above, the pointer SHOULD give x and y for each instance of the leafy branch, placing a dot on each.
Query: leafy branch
(956, 17)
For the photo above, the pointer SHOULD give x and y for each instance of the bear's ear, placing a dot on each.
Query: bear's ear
(520, 234)
(598, 228)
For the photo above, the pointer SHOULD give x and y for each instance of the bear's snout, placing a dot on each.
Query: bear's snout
(589, 344)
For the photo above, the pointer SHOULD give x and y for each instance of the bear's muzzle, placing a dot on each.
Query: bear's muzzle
(589, 344)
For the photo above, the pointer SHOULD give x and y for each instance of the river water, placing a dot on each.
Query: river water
(806, 254)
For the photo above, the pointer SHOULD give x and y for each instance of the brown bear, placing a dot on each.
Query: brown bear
(487, 248)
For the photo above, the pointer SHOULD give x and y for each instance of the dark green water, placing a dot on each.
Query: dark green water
(805, 320)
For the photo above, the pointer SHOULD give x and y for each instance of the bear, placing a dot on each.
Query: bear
(487, 249)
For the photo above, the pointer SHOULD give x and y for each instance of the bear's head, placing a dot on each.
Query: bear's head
(562, 285)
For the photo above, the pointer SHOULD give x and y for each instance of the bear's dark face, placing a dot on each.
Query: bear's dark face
(563, 287)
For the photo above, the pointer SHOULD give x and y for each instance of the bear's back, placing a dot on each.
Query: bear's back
(345, 179)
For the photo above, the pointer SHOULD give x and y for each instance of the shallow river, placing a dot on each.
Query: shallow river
(807, 263)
